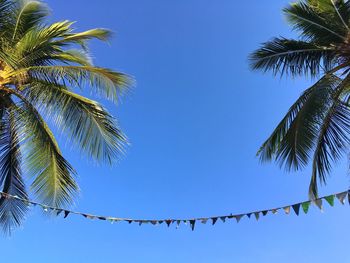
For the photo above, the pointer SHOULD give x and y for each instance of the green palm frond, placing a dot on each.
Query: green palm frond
(28, 15)
(316, 129)
(86, 122)
(38, 61)
(12, 211)
(320, 27)
(288, 56)
(53, 175)
(105, 82)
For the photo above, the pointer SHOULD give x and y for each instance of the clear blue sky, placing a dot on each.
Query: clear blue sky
(195, 121)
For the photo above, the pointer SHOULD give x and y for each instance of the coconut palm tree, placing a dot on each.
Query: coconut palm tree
(316, 129)
(41, 65)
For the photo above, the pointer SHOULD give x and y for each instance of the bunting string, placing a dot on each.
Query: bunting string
(296, 208)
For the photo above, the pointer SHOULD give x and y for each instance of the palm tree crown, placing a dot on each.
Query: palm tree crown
(316, 129)
(40, 66)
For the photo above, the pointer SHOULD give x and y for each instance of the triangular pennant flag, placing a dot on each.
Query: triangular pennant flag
(168, 222)
(274, 211)
(129, 221)
(192, 222)
(306, 206)
(58, 212)
(318, 203)
(178, 222)
(154, 222)
(341, 197)
(112, 220)
(230, 216)
(286, 209)
(330, 200)
(66, 213)
(160, 222)
(102, 218)
(223, 218)
(349, 198)
(249, 215)
(257, 214)
(204, 220)
(265, 212)
(296, 208)
(238, 218)
(214, 219)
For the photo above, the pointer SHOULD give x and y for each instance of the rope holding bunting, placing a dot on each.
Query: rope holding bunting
(342, 196)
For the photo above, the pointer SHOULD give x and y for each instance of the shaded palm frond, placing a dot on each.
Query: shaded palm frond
(287, 56)
(333, 137)
(294, 137)
(12, 211)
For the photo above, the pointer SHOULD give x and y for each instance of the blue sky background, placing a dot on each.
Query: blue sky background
(195, 121)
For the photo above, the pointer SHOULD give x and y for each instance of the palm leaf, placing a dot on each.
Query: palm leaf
(333, 137)
(319, 27)
(12, 211)
(53, 175)
(287, 56)
(29, 14)
(294, 137)
(105, 82)
(85, 121)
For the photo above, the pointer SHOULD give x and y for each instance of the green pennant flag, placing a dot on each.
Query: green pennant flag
(341, 197)
(238, 218)
(178, 222)
(257, 215)
(112, 220)
(274, 211)
(306, 206)
(330, 200)
(296, 208)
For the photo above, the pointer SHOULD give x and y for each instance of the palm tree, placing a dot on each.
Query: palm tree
(41, 65)
(316, 129)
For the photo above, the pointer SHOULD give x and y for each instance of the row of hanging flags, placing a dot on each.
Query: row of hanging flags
(296, 208)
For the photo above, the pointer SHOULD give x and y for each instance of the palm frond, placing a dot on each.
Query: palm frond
(333, 137)
(106, 83)
(322, 28)
(85, 121)
(53, 175)
(294, 137)
(29, 14)
(12, 211)
(287, 56)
